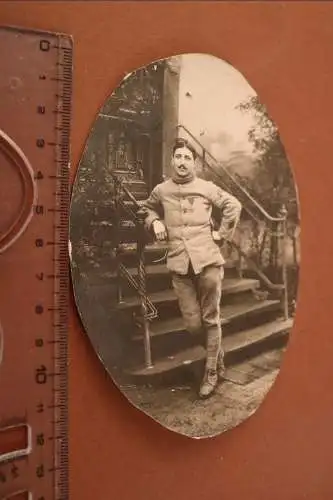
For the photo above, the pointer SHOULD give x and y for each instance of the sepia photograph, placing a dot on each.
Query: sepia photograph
(185, 243)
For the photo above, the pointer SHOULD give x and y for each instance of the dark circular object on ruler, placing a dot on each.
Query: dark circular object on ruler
(17, 192)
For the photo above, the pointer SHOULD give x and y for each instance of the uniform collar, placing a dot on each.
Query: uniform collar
(182, 180)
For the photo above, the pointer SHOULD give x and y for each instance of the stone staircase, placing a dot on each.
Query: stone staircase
(252, 322)
(252, 317)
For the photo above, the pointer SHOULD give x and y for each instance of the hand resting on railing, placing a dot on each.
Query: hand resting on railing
(159, 230)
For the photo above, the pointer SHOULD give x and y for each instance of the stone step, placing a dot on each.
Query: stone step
(182, 358)
(230, 286)
(151, 270)
(129, 203)
(131, 248)
(138, 188)
(156, 252)
(152, 247)
(236, 343)
(254, 336)
(154, 270)
(230, 312)
(138, 191)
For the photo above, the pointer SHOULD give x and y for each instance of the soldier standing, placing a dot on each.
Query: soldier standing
(179, 210)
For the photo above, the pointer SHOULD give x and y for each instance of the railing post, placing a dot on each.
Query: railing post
(283, 240)
(239, 263)
(117, 225)
(240, 266)
(203, 161)
(142, 287)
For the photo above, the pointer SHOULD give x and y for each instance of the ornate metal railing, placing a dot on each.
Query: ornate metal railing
(147, 309)
(274, 226)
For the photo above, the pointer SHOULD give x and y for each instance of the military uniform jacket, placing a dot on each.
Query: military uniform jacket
(187, 211)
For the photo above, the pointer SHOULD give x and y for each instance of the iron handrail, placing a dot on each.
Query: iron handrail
(243, 193)
(135, 218)
(231, 178)
(256, 268)
(152, 309)
(148, 310)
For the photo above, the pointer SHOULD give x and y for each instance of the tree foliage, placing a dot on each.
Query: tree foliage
(272, 183)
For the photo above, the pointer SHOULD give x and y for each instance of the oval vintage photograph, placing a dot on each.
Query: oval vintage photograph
(184, 242)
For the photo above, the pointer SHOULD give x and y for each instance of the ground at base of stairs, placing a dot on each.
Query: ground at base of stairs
(253, 369)
(180, 410)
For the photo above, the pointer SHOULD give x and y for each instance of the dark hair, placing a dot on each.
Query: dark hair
(183, 143)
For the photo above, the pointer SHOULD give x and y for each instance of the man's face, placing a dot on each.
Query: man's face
(183, 162)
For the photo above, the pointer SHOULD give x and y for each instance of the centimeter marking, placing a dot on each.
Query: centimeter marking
(61, 273)
(48, 460)
(59, 468)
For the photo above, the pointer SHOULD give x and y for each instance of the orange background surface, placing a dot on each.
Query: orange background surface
(285, 450)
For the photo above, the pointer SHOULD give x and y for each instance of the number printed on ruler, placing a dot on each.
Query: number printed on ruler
(34, 268)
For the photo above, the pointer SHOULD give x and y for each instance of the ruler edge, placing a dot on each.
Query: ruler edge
(61, 450)
(38, 31)
(68, 44)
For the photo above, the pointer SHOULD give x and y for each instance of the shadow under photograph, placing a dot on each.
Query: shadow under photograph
(185, 244)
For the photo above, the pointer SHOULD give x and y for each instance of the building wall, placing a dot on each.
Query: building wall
(170, 109)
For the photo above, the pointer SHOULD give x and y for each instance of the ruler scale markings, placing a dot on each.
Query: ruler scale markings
(48, 73)
(64, 278)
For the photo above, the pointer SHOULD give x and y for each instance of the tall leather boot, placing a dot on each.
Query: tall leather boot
(208, 384)
(220, 365)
